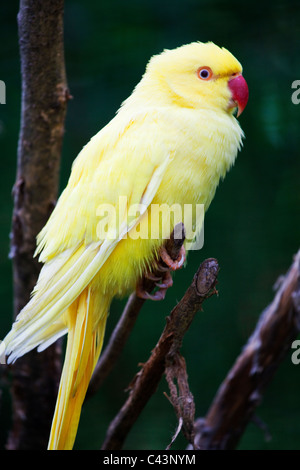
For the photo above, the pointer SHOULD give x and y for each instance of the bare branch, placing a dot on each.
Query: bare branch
(146, 380)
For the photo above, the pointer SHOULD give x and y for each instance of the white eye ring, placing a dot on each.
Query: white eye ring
(205, 73)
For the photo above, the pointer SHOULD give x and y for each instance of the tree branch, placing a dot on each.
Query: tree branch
(241, 391)
(44, 101)
(146, 380)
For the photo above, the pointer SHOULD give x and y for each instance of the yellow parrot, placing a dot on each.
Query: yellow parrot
(170, 143)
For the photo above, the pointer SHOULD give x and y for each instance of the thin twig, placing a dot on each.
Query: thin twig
(180, 396)
(180, 423)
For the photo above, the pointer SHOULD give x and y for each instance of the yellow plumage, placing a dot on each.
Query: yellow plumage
(171, 142)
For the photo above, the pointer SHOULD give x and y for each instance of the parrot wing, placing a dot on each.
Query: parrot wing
(116, 163)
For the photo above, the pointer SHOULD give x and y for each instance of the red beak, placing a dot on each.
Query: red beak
(240, 93)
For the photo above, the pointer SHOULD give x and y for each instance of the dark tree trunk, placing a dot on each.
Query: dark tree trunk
(44, 101)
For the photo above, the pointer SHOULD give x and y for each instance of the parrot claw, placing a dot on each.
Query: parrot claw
(161, 268)
(152, 276)
(171, 264)
(163, 286)
(159, 295)
(167, 281)
(165, 278)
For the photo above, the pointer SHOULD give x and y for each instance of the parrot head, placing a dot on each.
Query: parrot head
(200, 75)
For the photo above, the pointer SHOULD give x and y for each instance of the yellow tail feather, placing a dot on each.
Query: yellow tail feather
(84, 345)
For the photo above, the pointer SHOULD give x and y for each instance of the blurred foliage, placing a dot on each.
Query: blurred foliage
(252, 226)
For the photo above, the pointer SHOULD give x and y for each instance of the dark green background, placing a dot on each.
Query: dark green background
(252, 226)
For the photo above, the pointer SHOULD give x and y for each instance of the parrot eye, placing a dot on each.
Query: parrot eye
(205, 73)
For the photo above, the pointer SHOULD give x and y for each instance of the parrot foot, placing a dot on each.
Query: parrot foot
(164, 267)
(163, 286)
(171, 264)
